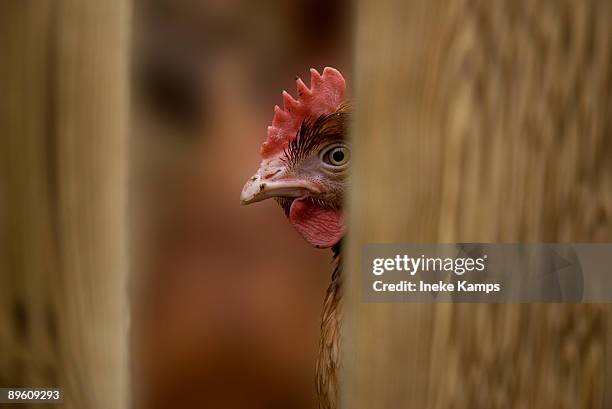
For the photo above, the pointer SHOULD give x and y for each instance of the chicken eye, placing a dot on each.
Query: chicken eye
(336, 156)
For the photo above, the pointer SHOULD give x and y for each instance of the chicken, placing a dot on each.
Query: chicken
(305, 167)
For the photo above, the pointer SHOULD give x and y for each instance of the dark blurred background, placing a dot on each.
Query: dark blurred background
(226, 300)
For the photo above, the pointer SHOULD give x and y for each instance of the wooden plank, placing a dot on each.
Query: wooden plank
(479, 121)
(64, 122)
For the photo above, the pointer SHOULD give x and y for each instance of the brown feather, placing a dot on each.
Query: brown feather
(328, 363)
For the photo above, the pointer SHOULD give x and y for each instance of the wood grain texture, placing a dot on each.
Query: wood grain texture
(479, 121)
(63, 265)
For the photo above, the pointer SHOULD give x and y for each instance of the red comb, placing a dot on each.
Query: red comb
(324, 96)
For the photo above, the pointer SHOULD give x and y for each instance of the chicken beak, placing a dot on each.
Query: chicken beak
(259, 188)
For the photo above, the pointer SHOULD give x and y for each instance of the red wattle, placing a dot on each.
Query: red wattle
(321, 227)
